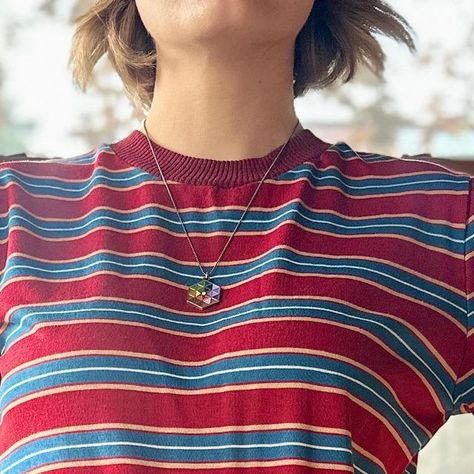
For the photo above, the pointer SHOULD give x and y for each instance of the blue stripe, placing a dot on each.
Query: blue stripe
(190, 448)
(251, 369)
(392, 333)
(435, 234)
(386, 275)
(74, 189)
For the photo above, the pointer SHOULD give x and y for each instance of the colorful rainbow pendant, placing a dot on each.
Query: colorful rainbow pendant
(204, 293)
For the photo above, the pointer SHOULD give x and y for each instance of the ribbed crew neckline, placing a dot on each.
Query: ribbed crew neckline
(135, 150)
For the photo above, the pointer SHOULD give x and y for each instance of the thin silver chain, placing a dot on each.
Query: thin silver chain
(207, 274)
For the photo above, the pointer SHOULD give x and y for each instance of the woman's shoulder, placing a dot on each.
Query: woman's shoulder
(422, 162)
(24, 162)
(24, 177)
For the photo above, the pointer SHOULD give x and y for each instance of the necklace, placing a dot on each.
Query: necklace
(206, 293)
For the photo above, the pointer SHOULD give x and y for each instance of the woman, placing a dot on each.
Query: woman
(221, 290)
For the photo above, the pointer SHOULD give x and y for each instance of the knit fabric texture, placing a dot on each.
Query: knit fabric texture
(343, 339)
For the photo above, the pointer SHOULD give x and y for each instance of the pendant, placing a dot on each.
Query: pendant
(204, 293)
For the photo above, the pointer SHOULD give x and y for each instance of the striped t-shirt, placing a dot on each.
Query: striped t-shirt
(342, 341)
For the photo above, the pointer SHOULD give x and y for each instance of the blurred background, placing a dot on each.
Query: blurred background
(424, 105)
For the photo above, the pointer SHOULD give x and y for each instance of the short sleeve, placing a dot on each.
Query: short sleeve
(464, 391)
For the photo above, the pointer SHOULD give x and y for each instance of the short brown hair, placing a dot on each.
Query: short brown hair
(337, 36)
